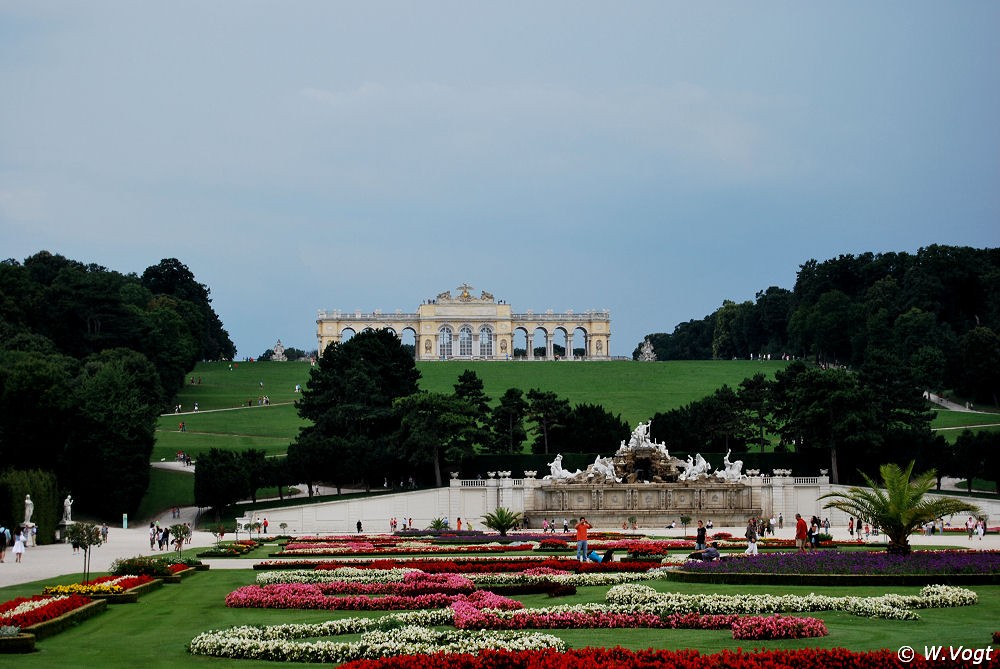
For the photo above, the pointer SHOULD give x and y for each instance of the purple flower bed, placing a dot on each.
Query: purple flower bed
(856, 563)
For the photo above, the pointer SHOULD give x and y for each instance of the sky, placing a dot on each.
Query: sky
(649, 158)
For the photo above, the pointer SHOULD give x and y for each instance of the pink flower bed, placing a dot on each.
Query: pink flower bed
(468, 616)
(311, 596)
(414, 583)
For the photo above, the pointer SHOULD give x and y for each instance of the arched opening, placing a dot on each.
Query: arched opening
(560, 344)
(346, 334)
(444, 342)
(539, 344)
(579, 343)
(486, 341)
(408, 338)
(520, 343)
(465, 341)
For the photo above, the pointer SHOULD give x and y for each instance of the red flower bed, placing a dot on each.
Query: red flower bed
(178, 567)
(56, 607)
(126, 583)
(615, 658)
(501, 566)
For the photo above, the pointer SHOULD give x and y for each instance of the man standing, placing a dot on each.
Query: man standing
(699, 538)
(581, 539)
(801, 533)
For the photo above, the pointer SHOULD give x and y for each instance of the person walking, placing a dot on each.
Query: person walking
(801, 533)
(4, 540)
(751, 535)
(19, 541)
(581, 539)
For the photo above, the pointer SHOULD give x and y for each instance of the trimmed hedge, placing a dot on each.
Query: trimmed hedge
(841, 580)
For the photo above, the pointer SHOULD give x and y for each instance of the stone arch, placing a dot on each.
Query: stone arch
(580, 342)
(408, 337)
(347, 333)
(561, 341)
(540, 340)
(520, 341)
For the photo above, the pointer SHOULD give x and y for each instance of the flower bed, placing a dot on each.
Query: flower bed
(393, 634)
(311, 596)
(105, 585)
(234, 549)
(27, 611)
(615, 658)
(851, 568)
(890, 606)
(593, 617)
(500, 565)
(361, 548)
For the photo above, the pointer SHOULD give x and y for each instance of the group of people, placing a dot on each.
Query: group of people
(863, 528)
(394, 524)
(159, 537)
(550, 525)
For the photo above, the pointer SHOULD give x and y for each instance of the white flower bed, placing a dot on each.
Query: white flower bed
(351, 574)
(380, 637)
(896, 607)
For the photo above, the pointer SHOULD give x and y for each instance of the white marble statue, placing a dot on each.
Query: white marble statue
(732, 470)
(605, 467)
(29, 508)
(695, 468)
(558, 473)
(68, 509)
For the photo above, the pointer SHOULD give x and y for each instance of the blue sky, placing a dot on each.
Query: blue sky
(652, 158)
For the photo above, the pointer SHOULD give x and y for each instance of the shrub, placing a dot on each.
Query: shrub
(140, 565)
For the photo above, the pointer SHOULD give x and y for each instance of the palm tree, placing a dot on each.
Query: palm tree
(501, 520)
(897, 506)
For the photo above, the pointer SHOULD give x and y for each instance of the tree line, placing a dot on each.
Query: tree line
(89, 357)
(936, 311)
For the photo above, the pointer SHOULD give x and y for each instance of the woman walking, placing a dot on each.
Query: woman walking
(19, 542)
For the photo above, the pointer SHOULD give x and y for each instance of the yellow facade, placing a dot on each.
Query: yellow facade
(469, 327)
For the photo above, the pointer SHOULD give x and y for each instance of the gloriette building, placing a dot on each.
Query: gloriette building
(466, 327)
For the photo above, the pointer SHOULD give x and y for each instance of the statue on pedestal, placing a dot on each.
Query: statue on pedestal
(68, 509)
(29, 508)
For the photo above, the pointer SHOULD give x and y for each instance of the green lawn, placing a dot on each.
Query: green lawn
(154, 632)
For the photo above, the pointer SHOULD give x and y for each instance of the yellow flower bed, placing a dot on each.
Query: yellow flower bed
(78, 589)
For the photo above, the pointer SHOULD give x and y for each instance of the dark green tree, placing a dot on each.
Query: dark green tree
(589, 428)
(254, 462)
(219, 480)
(506, 423)
(349, 402)
(171, 277)
(753, 396)
(436, 429)
(826, 409)
(546, 410)
(106, 463)
(469, 389)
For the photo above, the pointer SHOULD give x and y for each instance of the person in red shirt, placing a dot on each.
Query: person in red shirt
(801, 533)
(581, 539)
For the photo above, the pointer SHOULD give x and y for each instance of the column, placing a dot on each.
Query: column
(549, 337)
(569, 345)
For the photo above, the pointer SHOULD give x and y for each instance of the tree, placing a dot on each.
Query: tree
(502, 520)
(506, 423)
(469, 390)
(349, 401)
(754, 401)
(971, 451)
(171, 277)
(826, 409)
(86, 536)
(436, 428)
(219, 480)
(588, 428)
(107, 456)
(546, 410)
(254, 463)
(896, 504)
